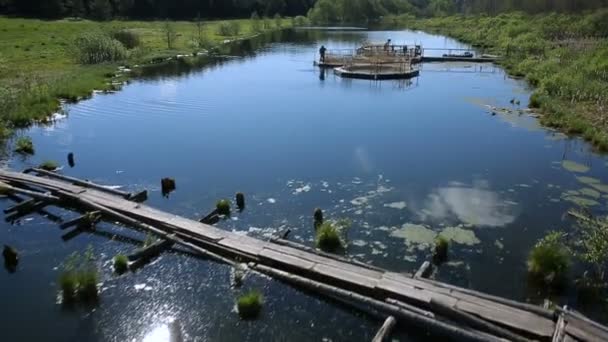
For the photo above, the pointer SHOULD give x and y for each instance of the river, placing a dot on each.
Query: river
(402, 160)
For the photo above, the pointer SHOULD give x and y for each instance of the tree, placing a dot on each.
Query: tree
(77, 9)
(101, 10)
(256, 24)
(169, 34)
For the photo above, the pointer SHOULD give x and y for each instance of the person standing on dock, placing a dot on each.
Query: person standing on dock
(387, 45)
(322, 51)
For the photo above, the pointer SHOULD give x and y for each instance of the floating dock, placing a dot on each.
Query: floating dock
(435, 308)
(431, 59)
(371, 73)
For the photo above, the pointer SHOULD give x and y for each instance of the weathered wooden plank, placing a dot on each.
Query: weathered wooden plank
(583, 330)
(86, 184)
(522, 320)
(325, 261)
(241, 245)
(286, 259)
(424, 271)
(560, 329)
(408, 293)
(345, 277)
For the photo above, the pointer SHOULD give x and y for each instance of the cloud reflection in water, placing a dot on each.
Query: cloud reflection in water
(476, 205)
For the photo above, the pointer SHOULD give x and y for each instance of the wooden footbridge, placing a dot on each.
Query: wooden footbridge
(430, 307)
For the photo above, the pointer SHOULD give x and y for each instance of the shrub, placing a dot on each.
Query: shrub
(127, 38)
(121, 264)
(223, 207)
(24, 145)
(79, 277)
(249, 305)
(278, 21)
(97, 47)
(550, 258)
(229, 28)
(300, 21)
(49, 165)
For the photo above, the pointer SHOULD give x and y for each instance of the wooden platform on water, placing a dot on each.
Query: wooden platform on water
(417, 297)
(371, 74)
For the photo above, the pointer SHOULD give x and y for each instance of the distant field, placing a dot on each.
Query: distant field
(38, 66)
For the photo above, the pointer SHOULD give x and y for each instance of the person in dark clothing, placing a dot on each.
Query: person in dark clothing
(322, 51)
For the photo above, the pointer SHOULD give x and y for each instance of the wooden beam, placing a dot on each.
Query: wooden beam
(429, 324)
(410, 307)
(385, 329)
(424, 271)
(560, 329)
(82, 183)
(20, 205)
(14, 216)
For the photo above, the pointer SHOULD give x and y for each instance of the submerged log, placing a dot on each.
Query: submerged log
(14, 216)
(430, 324)
(142, 226)
(212, 218)
(87, 220)
(82, 183)
(385, 329)
(151, 251)
(20, 206)
(473, 321)
(139, 197)
(409, 307)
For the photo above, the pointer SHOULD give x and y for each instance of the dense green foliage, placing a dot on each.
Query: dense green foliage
(549, 260)
(331, 236)
(565, 56)
(174, 9)
(98, 47)
(49, 165)
(363, 11)
(24, 145)
(591, 242)
(121, 264)
(223, 207)
(440, 253)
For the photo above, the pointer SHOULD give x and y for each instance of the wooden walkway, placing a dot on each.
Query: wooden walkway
(434, 307)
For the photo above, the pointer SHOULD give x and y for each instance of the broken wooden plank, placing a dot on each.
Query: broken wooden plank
(212, 218)
(139, 197)
(385, 329)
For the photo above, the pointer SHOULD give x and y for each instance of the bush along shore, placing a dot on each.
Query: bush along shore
(45, 63)
(564, 56)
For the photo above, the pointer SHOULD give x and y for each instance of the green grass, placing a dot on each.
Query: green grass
(39, 66)
(549, 260)
(249, 305)
(223, 207)
(24, 145)
(564, 56)
(49, 165)
(121, 264)
(79, 278)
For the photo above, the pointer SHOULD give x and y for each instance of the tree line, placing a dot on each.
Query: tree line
(150, 9)
(358, 11)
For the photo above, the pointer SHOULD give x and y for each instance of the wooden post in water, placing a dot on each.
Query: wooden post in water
(71, 159)
(385, 330)
(240, 201)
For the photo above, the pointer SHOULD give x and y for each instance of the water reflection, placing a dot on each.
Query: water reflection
(168, 332)
(476, 205)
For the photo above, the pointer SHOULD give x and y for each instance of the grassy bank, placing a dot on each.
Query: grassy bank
(39, 66)
(565, 57)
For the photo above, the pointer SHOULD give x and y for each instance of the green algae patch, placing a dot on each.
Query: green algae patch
(600, 187)
(588, 180)
(460, 236)
(591, 193)
(581, 201)
(573, 166)
(416, 235)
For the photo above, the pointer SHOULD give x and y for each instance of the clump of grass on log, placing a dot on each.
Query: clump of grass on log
(49, 165)
(440, 253)
(223, 207)
(549, 260)
(249, 305)
(24, 145)
(79, 277)
(331, 236)
(121, 263)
